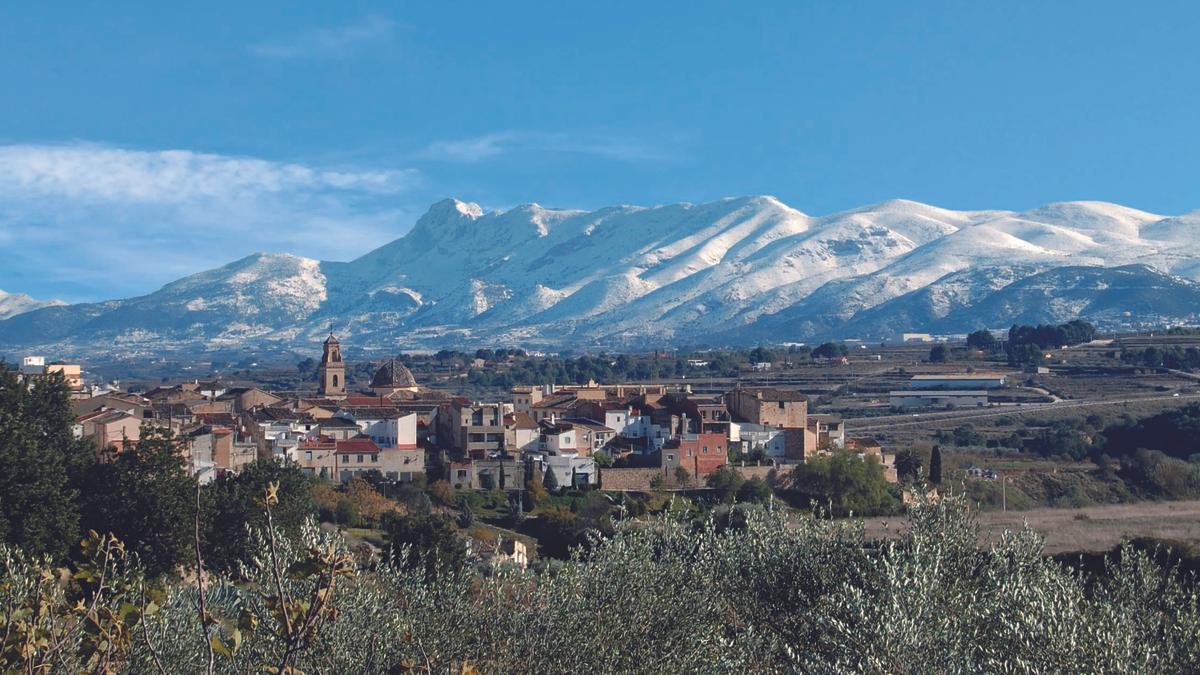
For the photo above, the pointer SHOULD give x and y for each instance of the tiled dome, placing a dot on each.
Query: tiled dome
(393, 375)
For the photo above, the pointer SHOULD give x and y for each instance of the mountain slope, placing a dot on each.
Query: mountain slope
(12, 304)
(748, 269)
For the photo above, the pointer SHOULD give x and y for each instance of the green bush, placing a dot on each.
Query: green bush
(844, 483)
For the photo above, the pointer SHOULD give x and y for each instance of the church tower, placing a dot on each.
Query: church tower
(333, 370)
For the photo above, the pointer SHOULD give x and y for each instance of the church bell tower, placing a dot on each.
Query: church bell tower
(333, 370)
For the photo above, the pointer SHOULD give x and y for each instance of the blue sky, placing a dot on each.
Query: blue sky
(143, 141)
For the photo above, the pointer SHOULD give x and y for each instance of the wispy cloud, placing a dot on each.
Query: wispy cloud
(88, 171)
(489, 146)
(126, 220)
(328, 43)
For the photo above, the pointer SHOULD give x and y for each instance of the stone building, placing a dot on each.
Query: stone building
(332, 370)
(780, 408)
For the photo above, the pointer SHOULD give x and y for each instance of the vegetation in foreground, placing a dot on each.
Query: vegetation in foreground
(745, 593)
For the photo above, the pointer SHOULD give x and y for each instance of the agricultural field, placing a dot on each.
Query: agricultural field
(1088, 529)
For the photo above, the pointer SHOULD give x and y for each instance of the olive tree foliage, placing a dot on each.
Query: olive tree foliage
(767, 594)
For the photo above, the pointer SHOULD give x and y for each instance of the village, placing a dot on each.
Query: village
(618, 437)
(352, 420)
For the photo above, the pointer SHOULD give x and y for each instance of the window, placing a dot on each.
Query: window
(670, 458)
(335, 381)
(360, 459)
(375, 457)
(308, 455)
(706, 449)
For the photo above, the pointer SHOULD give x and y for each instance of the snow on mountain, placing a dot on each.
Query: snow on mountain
(747, 268)
(12, 304)
(1107, 295)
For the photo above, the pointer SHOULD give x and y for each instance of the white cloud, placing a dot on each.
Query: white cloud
(109, 221)
(94, 172)
(488, 146)
(328, 43)
(470, 149)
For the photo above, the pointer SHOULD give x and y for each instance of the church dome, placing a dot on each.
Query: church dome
(393, 375)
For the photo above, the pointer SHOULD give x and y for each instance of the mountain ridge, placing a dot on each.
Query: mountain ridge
(12, 304)
(743, 269)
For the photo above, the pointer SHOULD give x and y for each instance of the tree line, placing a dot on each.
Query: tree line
(54, 488)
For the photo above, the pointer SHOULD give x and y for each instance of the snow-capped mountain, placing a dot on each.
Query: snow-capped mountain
(12, 304)
(746, 270)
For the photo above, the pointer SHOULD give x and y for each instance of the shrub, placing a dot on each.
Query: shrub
(442, 493)
(745, 591)
(754, 491)
(726, 481)
(844, 483)
(347, 513)
(537, 493)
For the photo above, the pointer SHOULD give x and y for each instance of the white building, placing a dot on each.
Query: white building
(33, 365)
(388, 428)
(751, 437)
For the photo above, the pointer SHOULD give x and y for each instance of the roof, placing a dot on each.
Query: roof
(234, 392)
(828, 419)
(368, 401)
(104, 416)
(936, 392)
(279, 415)
(589, 424)
(556, 427)
(109, 416)
(610, 404)
(960, 376)
(364, 445)
(331, 340)
(374, 412)
(217, 418)
(556, 400)
(771, 394)
(393, 374)
(520, 421)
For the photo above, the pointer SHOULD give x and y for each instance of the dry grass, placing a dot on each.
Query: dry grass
(1092, 528)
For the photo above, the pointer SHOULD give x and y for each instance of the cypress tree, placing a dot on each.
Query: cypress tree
(39, 455)
(935, 466)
